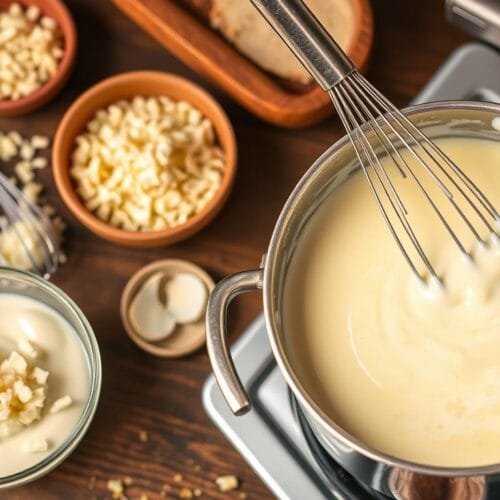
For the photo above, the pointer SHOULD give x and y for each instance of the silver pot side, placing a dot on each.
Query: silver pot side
(382, 472)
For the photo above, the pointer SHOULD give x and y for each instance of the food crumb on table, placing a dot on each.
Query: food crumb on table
(143, 436)
(185, 493)
(116, 488)
(227, 483)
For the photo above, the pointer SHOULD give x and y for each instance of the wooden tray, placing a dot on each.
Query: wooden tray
(203, 49)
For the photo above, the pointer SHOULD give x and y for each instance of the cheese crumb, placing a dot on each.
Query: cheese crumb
(27, 349)
(185, 493)
(22, 393)
(116, 488)
(36, 446)
(61, 404)
(227, 483)
(40, 375)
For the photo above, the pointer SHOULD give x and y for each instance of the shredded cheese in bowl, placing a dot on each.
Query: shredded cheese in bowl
(31, 48)
(147, 164)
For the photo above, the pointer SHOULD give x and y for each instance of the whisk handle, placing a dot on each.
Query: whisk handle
(308, 40)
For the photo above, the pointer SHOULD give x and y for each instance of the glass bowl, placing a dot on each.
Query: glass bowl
(29, 285)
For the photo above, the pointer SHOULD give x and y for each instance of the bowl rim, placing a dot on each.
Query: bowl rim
(92, 353)
(40, 96)
(271, 289)
(60, 164)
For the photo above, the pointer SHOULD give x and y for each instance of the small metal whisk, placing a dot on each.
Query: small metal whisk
(377, 129)
(28, 239)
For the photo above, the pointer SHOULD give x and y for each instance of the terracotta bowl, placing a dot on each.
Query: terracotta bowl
(186, 338)
(58, 11)
(126, 86)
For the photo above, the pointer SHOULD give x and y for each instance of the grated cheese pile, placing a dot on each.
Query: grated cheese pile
(31, 48)
(23, 390)
(147, 164)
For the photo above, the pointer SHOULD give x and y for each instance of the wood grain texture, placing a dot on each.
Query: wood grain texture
(191, 39)
(161, 396)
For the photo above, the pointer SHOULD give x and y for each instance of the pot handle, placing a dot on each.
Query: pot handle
(216, 325)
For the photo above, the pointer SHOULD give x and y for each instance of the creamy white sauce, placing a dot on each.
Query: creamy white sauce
(410, 370)
(61, 354)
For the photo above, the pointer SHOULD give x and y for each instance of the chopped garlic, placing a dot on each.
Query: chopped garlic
(61, 404)
(147, 164)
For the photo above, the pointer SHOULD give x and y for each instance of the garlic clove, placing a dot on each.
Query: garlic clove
(186, 297)
(149, 317)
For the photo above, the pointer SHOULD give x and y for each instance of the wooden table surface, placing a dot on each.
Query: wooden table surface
(162, 397)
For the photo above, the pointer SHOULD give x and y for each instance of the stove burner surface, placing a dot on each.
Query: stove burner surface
(341, 481)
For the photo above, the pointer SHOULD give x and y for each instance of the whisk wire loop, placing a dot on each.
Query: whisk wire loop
(435, 154)
(378, 129)
(43, 257)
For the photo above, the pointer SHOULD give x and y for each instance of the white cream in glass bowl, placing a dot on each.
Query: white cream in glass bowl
(50, 376)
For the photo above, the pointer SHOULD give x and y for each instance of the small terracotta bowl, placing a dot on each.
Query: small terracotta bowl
(127, 86)
(58, 11)
(186, 338)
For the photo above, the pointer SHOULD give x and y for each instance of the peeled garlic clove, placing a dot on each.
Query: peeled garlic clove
(149, 317)
(186, 297)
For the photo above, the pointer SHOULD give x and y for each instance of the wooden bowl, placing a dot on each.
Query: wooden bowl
(58, 11)
(177, 26)
(186, 338)
(126, 86)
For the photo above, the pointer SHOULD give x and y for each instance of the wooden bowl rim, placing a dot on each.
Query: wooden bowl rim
(132, 287)
(48, 90)
(66, 189)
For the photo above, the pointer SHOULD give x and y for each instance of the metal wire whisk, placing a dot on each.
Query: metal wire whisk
(377, 130)
(28, 239)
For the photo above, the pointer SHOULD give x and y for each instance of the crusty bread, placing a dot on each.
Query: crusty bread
(243, 25)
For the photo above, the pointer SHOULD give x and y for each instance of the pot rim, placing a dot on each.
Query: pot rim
(278, 349)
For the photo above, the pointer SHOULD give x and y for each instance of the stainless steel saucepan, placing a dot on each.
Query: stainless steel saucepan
(387, 474)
